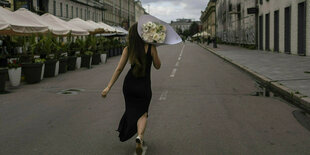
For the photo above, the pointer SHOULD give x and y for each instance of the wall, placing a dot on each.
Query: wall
(270, 7)
(235, 26)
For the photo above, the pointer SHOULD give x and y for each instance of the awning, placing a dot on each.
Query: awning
(12, 23)
(85, 25)
(60, 27)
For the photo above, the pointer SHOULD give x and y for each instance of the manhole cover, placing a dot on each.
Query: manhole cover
(71, 91)
(74, 89)
(67, 93)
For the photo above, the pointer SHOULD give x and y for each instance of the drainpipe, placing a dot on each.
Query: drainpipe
(214, 41)
(128, 14)
(256, 24)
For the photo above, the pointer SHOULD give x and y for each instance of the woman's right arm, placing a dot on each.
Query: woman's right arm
(156, 60)
(117, 72)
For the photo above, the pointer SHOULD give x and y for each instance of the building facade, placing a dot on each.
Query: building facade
(207, 18)
(182, 24)
(113, 12)
(6, 4)
(234, 24)
(284, 26)
(139, 10)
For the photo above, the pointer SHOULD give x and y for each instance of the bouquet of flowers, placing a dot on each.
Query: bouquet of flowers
(153, 32)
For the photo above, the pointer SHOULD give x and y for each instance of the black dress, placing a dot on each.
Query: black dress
(137, 92)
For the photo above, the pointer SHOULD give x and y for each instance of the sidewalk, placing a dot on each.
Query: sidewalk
(283, 74)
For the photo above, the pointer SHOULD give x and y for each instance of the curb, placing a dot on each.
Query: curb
(285, 92)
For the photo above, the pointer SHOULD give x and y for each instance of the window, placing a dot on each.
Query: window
(81, 13)
(60, 9)
(71, 11)
(67, 11)
(77, 12)
(54, 8)
(85, 15)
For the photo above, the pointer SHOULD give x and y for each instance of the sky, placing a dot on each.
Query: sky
(168, 10)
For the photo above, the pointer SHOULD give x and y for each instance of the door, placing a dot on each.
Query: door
(261, 32)
(267, 32)
(287, 31)
(302, 28)
(276, 31)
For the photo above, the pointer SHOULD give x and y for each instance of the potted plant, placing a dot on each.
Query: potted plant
(94, 48)
(3, 73)
(15, 71)
(49, 56)
(32, 69)
(87, 59)
(71, 49)
(61, 54)
(102, 50)
(80, 48)
(85, 53)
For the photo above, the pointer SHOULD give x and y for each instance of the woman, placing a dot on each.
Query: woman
(136, 87)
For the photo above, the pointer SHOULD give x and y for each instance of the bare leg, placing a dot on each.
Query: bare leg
(141, 125)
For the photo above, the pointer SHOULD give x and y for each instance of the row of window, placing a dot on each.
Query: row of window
(86, 15)
(301, 34)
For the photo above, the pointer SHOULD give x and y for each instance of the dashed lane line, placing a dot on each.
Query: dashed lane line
(163, 95)
(173, 72)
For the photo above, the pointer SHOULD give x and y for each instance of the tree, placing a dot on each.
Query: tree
(179, 31)
(194, 28)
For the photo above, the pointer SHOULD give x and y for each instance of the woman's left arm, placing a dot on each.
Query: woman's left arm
(117, 72)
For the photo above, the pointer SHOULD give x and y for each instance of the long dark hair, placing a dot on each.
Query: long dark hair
(136, 51)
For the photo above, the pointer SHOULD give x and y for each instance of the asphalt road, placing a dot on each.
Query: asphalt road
(201, 105)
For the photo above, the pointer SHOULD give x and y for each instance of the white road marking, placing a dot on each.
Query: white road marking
(182, 51)
(173, 72)
(177, 64)
(163, 95)
(179, 58)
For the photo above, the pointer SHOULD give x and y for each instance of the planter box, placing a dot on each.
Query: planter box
(15, 76)
(57, 68)
(78, 62)
(71, 63)
(42, 73)
(3, 62)
(50, 68)
(3, 73)
(110, 52)
(32, 72)
(86, 61)
(103, 58)
(96, 59)
(63, 65)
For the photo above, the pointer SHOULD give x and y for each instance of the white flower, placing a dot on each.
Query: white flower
(149, 24)
(156, 37)
(145, 29)
(153, 32)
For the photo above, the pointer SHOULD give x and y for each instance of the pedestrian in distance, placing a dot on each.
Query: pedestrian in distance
(141, 53)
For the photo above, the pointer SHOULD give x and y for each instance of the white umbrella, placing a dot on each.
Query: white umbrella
(107, 27)
(98, 26)
(84, 25)
(58, 24)
(54, 26)
(12, 23)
